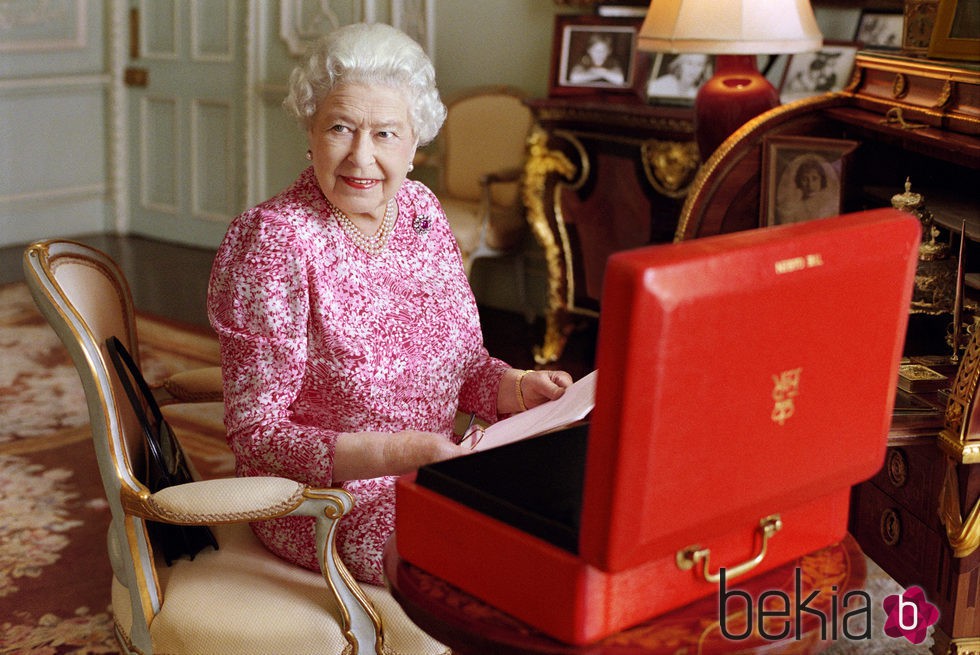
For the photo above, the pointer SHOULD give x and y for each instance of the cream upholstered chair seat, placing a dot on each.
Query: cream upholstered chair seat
(483, 148)
(239, 598)
(200, 385)
(281, 610)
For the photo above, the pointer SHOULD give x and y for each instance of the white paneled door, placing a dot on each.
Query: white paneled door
(185, 92)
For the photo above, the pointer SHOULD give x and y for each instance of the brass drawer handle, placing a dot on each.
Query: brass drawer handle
(692, 555)
(894, 117)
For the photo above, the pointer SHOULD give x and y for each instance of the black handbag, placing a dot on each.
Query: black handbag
(166, 465)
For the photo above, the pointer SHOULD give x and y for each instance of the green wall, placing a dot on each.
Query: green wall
(498, 42)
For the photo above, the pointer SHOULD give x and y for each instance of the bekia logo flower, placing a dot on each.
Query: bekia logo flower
(909, 615)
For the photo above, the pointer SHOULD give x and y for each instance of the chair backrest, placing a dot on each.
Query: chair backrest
(86, 299)
(486, 131)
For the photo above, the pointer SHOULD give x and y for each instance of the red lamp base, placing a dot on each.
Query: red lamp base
(736, 94)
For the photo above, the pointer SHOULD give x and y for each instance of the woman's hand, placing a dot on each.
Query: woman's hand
(362, 455)
(522, 390)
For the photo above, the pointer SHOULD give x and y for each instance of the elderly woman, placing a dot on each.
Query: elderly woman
(349, 333)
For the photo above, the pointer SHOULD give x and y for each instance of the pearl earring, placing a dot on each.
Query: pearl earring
(411, 167)
(309, 155)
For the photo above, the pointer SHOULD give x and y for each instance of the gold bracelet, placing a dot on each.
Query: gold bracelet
(520, 392)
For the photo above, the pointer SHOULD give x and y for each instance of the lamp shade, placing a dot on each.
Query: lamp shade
(735, 31)
(730, 27)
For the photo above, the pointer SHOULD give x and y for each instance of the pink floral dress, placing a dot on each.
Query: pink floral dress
(319, 338)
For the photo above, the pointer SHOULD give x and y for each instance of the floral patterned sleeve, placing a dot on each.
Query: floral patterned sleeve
(258, 303)
(481, 379)
(480, 387)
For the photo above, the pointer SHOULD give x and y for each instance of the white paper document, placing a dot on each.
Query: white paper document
(574, 405)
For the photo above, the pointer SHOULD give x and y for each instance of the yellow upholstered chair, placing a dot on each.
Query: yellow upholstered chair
(483, 148)
(237, 599)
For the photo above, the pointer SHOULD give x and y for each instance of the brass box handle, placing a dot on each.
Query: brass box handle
(689, 557)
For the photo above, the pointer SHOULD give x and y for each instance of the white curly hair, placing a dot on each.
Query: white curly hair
(368, 53)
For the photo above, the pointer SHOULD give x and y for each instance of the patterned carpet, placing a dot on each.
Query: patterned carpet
(54, 573)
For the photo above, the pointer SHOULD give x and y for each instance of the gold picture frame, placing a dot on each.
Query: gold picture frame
(920, 19)
(789, 193)
(956, 33)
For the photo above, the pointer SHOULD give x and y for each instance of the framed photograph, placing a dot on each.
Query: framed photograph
(920, 17)
(803, 178)
(956, 33)
(595, 55)
(812, 73)
(676, 78)
(880, 30)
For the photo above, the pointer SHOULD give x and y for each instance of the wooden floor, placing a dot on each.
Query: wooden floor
(170, 281)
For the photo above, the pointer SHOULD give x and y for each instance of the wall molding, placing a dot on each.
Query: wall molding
(38, 15)
(417, 18)
(197, 54)
(144, 136)
(272, 91)
(55, 195)
(253, 146)
(145, 22)
(118, 118)
(197, 178)
(54, 84)
(303, 21)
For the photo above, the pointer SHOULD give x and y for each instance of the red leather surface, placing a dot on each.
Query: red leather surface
(470, 626)
(560, 594)
(693, 338)
(683, 445)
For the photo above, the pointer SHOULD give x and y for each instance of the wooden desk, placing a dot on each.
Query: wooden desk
(600, 177)
(895, 518)
(471, 627)
(919, 120)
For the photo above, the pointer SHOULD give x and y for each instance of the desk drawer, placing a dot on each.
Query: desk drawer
(912, 477)
(893, 537)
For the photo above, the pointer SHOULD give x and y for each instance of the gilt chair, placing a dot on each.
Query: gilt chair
(240, 598)
(483, 148)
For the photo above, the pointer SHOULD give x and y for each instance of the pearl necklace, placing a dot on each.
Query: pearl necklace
(371, 244)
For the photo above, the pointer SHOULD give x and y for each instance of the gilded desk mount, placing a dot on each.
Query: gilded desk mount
(560, 161)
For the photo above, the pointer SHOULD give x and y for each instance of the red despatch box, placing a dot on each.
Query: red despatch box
(745, 383)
